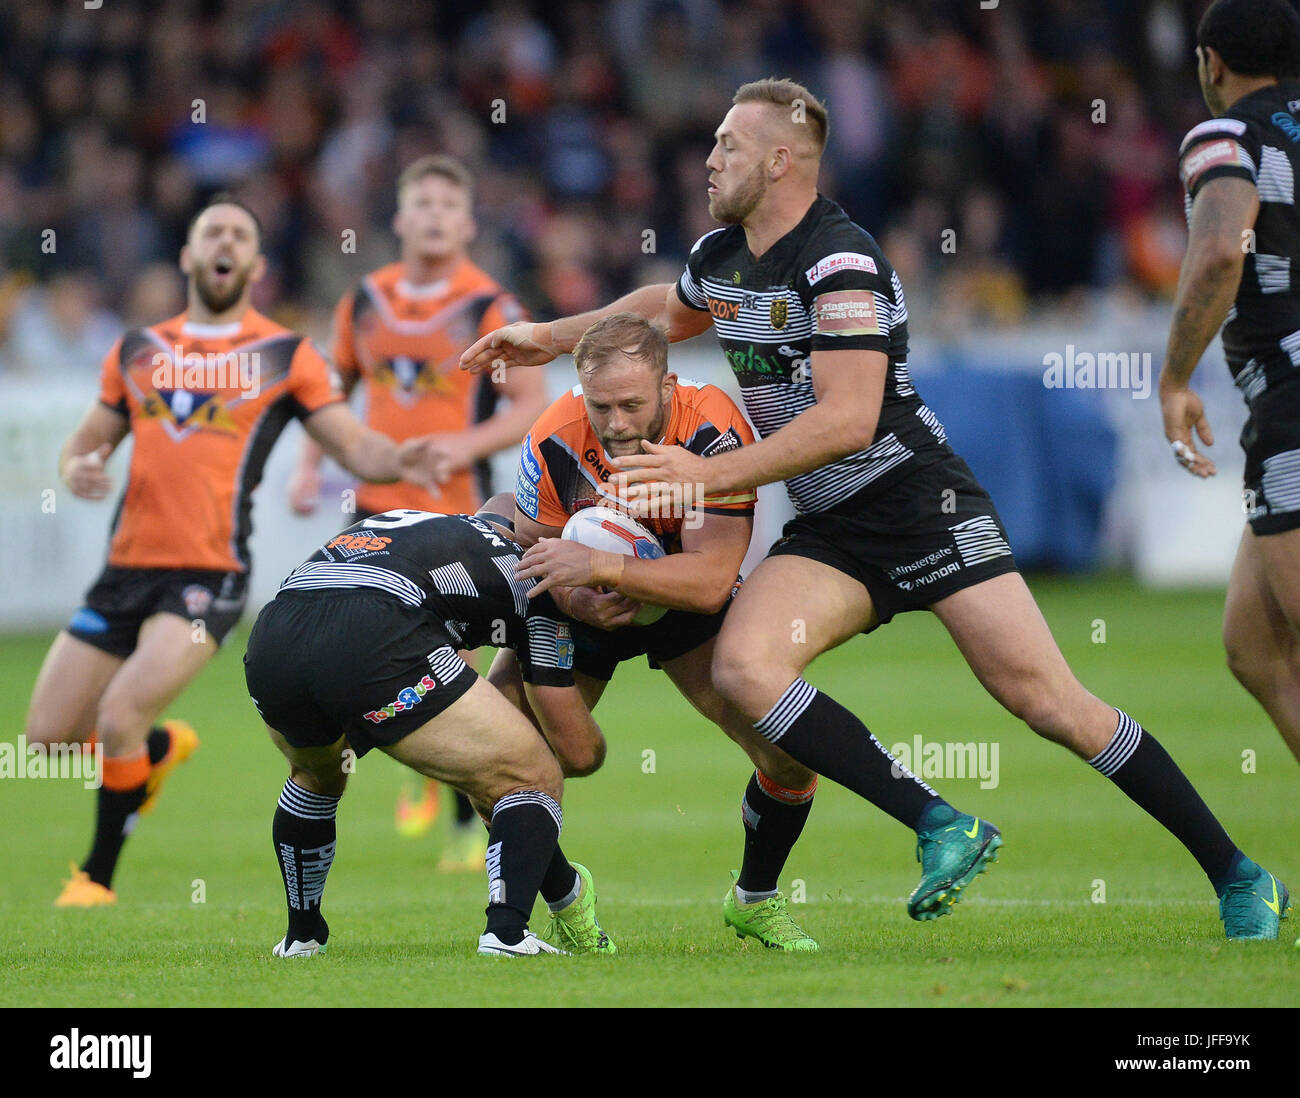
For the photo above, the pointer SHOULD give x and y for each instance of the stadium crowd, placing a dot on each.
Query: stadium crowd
(1043, 133)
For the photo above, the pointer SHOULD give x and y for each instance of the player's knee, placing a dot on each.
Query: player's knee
(121, 725)
(328, 781)
(743, 681)
(1044, 709)
(46, 728)
(1248, 664)
(540, 771)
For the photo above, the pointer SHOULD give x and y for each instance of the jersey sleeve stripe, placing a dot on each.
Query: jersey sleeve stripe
(1212, 127)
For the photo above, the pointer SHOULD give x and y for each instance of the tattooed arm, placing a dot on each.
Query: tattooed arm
(1222, 213)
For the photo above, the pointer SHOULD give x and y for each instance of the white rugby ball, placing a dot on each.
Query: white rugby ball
(612, 530)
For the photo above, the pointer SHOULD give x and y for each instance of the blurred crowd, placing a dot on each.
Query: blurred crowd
(1010, 159)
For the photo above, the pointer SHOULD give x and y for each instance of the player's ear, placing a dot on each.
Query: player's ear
(669, 385)
(1213, 64)
(259, 269)
(397, 222)
(186, 264)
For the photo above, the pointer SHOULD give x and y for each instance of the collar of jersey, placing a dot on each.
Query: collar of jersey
(794, 239)
(211, 331)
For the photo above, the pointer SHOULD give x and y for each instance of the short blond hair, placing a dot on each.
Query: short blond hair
(782, 92)
(439, 164)
(622, 333)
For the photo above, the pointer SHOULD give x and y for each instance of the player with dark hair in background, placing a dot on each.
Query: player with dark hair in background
(812, 320)
(1239, 171)
(398, 334)
(204, 395)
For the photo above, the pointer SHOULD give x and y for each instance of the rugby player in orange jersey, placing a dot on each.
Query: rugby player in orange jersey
(205, 394)
(399, 333)
(627, 396)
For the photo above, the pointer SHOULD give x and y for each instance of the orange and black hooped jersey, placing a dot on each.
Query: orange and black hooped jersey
(206, 403)
(563, 467)
(405, 342)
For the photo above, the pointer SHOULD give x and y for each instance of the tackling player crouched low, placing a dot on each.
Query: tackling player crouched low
(359, 650)
(627, 396)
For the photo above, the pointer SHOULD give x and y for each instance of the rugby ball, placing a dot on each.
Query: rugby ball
(611, 530)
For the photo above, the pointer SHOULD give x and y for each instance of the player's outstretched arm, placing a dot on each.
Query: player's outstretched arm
(1222, 213)
(569, 728)
(81, 461)
(304, 481)
(525, 400)
(526, 344)
(372, 456)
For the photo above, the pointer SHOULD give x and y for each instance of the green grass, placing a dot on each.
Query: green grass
(660, 845)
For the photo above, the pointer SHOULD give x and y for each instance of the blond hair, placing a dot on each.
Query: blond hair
(803, 106)
(439, 164)
(622, 333)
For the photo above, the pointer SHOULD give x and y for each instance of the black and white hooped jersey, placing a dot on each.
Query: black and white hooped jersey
(824, 286)
(1258, 139)
(457, 568)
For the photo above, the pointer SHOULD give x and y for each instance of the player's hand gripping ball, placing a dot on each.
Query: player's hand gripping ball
(611, 530)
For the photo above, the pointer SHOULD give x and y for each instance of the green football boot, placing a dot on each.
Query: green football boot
(1253, 905)
(768, 920)
(951, 856)
(574, 928)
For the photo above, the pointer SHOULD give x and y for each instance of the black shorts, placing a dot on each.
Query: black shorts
(931, 534)
(1271, 439)
(120, 600)
(355, 663)
(597, 652)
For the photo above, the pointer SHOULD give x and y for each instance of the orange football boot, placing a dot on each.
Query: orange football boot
(184, 742)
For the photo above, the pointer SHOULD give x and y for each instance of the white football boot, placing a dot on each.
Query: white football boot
(297, 949)
(492, 946)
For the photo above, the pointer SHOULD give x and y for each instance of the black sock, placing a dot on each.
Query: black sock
(820, 733)
(521, 843)
(774, 817)
(560, 885)
(303, 832)
(465, 813)
(114, 817)
(1135, 761)
(157, 743)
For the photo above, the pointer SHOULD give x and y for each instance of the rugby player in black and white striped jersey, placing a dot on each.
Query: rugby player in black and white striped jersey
(1241, 275)
(812, 319)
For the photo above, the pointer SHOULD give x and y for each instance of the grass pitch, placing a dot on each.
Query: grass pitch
(660, 833)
